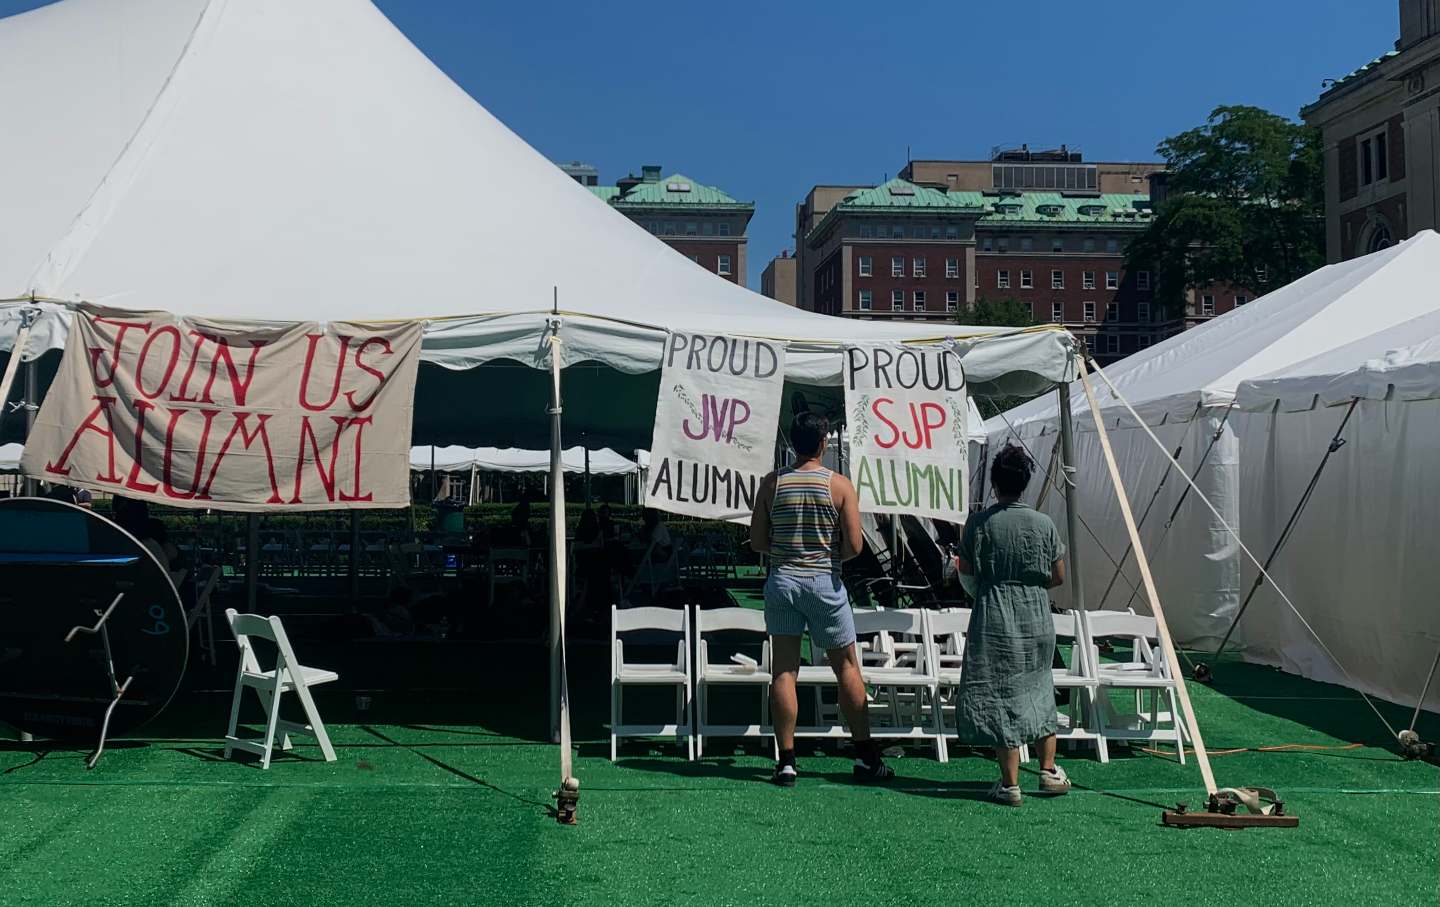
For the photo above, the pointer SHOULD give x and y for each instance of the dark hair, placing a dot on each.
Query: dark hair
(807, 434)
(1010, 472)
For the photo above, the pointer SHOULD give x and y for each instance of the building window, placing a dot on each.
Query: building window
(1382, 164)
(1057, 245)
(1089, 245)
(1207, 304)
(867, 231)
(722, 229)
(1027, 279)
(1026, 244)
(669, 229)
(1142, 312)
(1142, 280)
(1112, 280)
(1002, 280)
(1029, 313)
(1367, 166)
(1142, 341)
(1057, 280)
(1087, 280)
(707, 228)
(987, 245)
(694, 258)
(919, 300)
(1112, 343)
(897, 300)
(1112, 311)
(952, 231)
(692, 229)
(952, 300)
(867, 266)
(1112, 245)
(935, 232)
(897, 232)
(1241, 300)
(1057, 312)
(1089, 311)
(724, 266)
(917, 267)
(897, 266)
(952, 267)
(867, 300)
(1090, 342)
(1003, 244)
(655, 227)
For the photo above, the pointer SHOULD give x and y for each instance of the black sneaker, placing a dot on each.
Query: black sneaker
(784, 776)
(865, 773)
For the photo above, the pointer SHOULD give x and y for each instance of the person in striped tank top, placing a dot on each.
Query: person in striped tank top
(807, 520)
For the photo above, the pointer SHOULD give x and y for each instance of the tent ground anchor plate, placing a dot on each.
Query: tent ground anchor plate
(1176, 819)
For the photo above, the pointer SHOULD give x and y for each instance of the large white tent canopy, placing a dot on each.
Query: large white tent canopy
(1252, 401)
(457, 458)
(282, 159)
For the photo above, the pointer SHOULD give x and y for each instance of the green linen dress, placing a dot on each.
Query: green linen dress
(1007, 693)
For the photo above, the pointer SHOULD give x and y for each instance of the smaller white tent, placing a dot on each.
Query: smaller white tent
(1359, 562)
(455, 458)
(10, 457)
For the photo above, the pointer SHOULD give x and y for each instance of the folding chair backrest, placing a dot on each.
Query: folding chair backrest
(245, 626)
(717, 619)
(1069, 625)
(672, 619)
(900, 620)
(1066, 626)
(1142, 632)
(949, 623)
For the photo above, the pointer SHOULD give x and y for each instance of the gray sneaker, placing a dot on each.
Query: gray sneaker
(1054, 781)
(1006, 796)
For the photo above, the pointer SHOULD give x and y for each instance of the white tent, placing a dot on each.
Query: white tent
(10, 457)
(602, 462)
(1359, 561)
(1186, 389)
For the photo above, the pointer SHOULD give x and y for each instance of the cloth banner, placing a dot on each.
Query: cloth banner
(906, 412)
(715, 424)
(192, 412)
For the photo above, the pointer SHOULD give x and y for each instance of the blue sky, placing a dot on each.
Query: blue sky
(766, 99)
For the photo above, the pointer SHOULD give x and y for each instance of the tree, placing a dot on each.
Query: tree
(999, 312)
(1245, 205)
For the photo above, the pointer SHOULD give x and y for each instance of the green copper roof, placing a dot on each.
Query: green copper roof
(900, 193)
(1054, 208)
(605, 193)
(677, 189)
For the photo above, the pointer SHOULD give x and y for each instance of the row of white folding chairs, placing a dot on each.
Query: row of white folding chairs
(913, 659)
(691, 723)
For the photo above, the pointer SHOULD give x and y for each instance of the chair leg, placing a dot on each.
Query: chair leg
(234, 709)
(270, 723)
(317, 726)
(702, 716)
(942, 749)
(614, 716)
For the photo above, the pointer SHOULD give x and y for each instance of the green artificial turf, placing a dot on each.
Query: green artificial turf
(442, 797)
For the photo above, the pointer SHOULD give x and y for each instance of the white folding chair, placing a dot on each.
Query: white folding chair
(204, 615)
(729, 673)
(1079, 721)
(287, 675)
(675, 673)
(1147, 672)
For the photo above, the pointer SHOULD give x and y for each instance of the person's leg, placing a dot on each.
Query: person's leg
(1046, 749)
(1053, 779)
(845, 662)
(1009, 760)
(784, 707)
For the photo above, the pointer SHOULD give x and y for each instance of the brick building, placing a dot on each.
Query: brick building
(1380, 127)
(929, 248)
(700, 222)
(778, 279)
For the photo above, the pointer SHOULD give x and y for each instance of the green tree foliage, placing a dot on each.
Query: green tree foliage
(997, 312)
(1245, 206)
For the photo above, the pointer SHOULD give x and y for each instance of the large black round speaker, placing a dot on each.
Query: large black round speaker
(60, 565)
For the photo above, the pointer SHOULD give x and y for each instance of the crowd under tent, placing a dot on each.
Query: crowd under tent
(1254, 467)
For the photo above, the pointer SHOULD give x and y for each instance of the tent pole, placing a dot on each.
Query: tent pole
(434, 476)
(1162, 627)
(252, 560)
(559, 696)
(22, 336)
(32, 405)
(1072, 497)
(587, 470)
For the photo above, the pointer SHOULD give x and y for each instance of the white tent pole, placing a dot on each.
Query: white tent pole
(1072, 497)
(17, 353)
(1202, 757)
(559, 696)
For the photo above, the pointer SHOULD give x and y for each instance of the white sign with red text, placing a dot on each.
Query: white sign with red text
(905, 413)
(194, 412)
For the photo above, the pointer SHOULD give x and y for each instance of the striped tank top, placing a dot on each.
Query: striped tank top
(804, 525)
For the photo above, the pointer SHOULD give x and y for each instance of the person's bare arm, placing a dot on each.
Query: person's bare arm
(842, 493)
(1057, 573)
(760, 516)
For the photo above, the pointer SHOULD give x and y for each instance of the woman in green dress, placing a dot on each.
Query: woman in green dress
(1009, 557)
